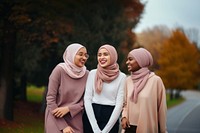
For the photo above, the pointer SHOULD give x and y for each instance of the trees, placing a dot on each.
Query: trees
(8, 40)
(28, 31)
(179, 62)
(37, 32)
(105, 21)
(152, 39)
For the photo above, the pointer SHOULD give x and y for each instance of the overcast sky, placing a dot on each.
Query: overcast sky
(172, 13)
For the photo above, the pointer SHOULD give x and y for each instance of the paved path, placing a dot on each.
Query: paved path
(185, 118)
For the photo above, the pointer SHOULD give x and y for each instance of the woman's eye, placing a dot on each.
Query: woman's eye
(130, 59)
(105, 54)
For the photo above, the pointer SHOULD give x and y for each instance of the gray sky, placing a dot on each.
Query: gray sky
(172, 13)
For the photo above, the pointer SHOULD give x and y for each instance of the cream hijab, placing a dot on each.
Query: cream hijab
(70, 68)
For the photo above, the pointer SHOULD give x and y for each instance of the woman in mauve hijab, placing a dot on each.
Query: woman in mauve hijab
(65, 92)
(145, 100)
(104, 93)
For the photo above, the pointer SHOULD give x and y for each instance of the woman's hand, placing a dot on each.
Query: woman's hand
(60, 112)
(125, 123)
(68, 130)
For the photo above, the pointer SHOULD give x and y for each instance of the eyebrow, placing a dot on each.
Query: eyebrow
(104, 52)
(81, 53)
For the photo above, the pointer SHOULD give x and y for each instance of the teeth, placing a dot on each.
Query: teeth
(82, 61)
(102, 62)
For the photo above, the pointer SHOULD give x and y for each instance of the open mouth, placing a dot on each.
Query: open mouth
(102, 62)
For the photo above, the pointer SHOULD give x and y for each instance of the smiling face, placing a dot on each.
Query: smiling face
(103, 58)
(81, 57)
(132, 64)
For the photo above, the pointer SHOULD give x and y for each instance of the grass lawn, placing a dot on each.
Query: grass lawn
(28, 117)
(174, 102)
(35, 94)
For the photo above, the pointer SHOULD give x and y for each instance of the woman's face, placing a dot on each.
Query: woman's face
(132, 64)
(81, 57)
(103, 57)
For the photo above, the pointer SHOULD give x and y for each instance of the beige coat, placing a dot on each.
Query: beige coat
(149, 113)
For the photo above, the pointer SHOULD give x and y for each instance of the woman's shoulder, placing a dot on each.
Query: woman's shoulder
(93, 71)
(154, 77)
(58, 68)
(128, 78)
(56, 72)
(87, 71)
(122, 74)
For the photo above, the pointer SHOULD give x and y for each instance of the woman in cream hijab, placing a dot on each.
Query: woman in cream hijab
(65, 92)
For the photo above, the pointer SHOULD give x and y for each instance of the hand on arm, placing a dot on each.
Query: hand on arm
(60, 111)
(68, 130)
(52, 94)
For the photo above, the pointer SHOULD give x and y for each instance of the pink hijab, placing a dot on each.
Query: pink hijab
(70, 68)
(140, 77)
(109, 73)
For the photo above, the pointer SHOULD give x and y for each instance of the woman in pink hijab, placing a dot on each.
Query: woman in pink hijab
(145, 100)
(65, 92)
(104, 93)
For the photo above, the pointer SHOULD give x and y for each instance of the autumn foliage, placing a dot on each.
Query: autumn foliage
(152, 39)
(179, 62)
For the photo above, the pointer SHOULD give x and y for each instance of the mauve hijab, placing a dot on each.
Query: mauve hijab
(140, 77)
(108, 73)
(70, 68)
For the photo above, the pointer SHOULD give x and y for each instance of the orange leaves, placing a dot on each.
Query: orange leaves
(179, 62)
(133, 9)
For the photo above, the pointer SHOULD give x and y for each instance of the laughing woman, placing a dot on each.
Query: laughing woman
(104, 94)
(65, 92)
(145, 107)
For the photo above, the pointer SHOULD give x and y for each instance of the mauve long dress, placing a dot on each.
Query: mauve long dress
(64, 91)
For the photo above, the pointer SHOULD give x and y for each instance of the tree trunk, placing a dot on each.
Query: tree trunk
(171, 94)
(177, 95)
(43, 107)
(23, 84)
(7, 75)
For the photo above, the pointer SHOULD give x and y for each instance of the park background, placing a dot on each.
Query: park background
(34, 35)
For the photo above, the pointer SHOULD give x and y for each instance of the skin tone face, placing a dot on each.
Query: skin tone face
(132, 64)
(81, 57)
(103, 58)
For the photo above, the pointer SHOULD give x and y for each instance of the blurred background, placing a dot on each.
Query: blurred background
(34, 35)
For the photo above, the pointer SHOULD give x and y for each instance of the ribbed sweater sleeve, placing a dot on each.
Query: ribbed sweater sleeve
(75, 108)
(118, 106)
(53, 86)
(89, 92)
(114, 98)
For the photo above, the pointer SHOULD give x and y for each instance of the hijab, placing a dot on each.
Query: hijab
(70, 68)
(109, 73)
(140, 77)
